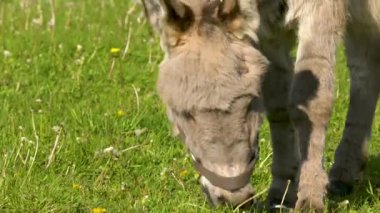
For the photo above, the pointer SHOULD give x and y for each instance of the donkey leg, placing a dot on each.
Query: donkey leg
(351, 155)
(312, 95)
(276, 87)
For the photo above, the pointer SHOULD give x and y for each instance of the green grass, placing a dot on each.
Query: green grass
(59, 98)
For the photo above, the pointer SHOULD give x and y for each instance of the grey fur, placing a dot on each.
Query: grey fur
(298, 96)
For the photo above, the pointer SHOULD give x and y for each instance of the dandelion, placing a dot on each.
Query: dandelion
(183, 174)
(77, 186)
(121, 113)
(115, 51)
(98, 210)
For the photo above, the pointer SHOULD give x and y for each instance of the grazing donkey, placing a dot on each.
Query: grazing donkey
(210, 55)
(209, 81)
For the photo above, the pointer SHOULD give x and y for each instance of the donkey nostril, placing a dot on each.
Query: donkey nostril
(222, 199)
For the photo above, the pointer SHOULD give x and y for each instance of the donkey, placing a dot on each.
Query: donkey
(210, 83)
(219, 126)
(298, 97)
(362, 42)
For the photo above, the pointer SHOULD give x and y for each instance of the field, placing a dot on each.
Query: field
(82, 128)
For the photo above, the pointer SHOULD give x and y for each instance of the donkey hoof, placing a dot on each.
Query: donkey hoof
(276, 205)
(277, 201)
(310, 204)
(340, 188)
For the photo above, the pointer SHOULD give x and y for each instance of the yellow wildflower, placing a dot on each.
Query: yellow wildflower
(77, 186)
(183, 174)
(115, 51)
(121, 113)
(98, 210)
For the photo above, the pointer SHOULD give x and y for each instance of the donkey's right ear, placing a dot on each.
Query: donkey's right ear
(168, 13)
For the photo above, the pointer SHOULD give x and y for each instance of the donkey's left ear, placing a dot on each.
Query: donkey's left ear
(240, 17)
(168, 14)
(228, 9)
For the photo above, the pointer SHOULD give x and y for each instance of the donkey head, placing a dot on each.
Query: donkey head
(210, 84)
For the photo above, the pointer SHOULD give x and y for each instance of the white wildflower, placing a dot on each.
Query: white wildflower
(139, 132)
(7, 54)
(108, 149)
(113, 152)
(57, 129)
(79, 48)
(144, 199)
(37, 21)
(164, 170)
(51, 23)
(123, 186)
(79, 61)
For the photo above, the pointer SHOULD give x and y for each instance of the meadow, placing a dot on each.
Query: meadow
(82, 128)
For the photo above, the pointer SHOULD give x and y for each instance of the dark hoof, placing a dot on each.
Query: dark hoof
(275, 199)
(339, 188)
(279, 208)
(274, 205)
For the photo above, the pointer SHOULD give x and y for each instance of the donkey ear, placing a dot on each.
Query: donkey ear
(178, 14)
(239, 17)
(168, 13)
(153, 12)
(228, 9)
